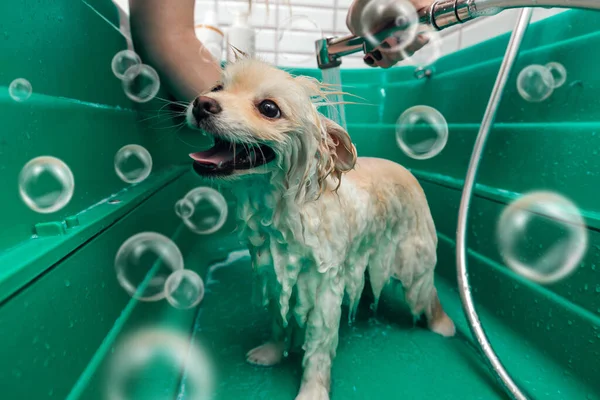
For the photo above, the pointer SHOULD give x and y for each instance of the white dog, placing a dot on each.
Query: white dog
(314, 217)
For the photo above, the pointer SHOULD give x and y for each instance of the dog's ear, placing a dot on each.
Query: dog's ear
(340, 145)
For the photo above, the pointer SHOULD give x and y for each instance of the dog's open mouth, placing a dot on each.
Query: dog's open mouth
(225, 157)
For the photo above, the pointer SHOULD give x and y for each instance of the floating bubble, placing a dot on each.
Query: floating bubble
(20, 89)
(421, 132)
(403, 14)
(144, 262)
(559, 73)
(138, 356)
(210, 210)
(542, 237)
(535, 83)
(300, 33)
(184, 289)
(46, 184)
(184, 208)
(133, 163)
(124, 60)
(429, 53)
(141, 83)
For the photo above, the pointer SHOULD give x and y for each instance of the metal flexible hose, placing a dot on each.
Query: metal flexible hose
(482, 341)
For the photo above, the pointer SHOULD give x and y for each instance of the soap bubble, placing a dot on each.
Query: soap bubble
(300, 33)
(542, 236)
(429, 53)
(184, 208)
(124, 60)
(535, 83)
(184, 289)
(20, 89)
(421, 132)
(46, 184)
(210, 210)
(141, 83)
(403, 14)
(144, 262)
(559, 73)
(140, 354)
(133, 163)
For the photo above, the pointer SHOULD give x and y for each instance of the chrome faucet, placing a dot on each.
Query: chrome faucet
(442, 14)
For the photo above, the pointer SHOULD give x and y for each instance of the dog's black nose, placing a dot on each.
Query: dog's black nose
(204, 107)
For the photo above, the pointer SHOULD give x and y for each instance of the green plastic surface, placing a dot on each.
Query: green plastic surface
(62, 311)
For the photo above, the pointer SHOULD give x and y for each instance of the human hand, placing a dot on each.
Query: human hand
(163, 35)
(364, 19)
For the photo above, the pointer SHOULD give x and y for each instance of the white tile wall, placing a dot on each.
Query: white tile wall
(287, 29)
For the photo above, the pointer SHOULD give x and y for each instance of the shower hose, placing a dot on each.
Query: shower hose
(482, 341)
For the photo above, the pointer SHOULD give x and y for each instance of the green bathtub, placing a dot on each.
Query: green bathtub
(63, 313)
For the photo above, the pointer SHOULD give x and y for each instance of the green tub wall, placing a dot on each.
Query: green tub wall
(57, 319)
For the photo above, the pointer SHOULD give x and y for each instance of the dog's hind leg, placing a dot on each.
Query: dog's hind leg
(321, 338)
(437, 320)
(415, 263)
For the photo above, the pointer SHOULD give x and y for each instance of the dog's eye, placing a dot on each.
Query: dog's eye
(269, 109)
(217, 88)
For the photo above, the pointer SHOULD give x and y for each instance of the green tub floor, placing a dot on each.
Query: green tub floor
(387, 357)
(377, 358)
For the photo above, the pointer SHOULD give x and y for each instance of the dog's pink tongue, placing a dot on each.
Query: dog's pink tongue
(216, 155)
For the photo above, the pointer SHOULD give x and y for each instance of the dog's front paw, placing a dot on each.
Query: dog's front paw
(313, 391)
(266, 355)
